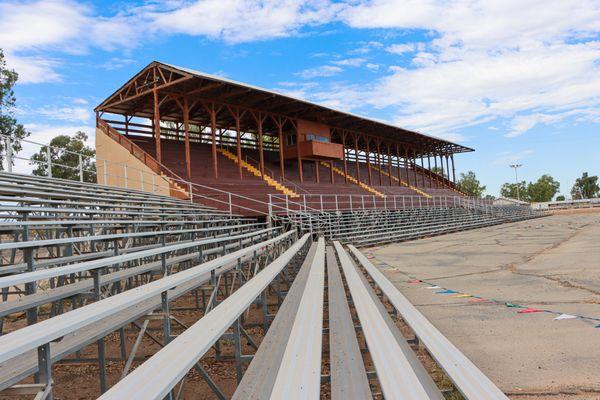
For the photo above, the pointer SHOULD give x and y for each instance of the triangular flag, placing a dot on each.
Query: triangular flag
(529, 311)
(477, 300)
(512, 305)
(461, 295)
(597, 326)
(432, 287)
(565, 316)
(447, 291)
(415, 281)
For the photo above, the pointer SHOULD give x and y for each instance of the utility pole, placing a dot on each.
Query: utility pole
(515, 166)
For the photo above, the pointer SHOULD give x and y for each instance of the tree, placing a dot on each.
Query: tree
(509, 190)
(543, 190)
(65, 154)
(585, 187)
(8, 124)
(438, 170)
(470, 185)
(560, 198)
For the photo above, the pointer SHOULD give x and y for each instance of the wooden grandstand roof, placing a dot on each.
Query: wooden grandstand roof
(135, 98)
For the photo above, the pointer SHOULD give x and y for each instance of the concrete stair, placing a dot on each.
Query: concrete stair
(353, 180)
(256, 172)
(394, 178)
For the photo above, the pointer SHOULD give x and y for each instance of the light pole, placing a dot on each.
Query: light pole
(515, 166)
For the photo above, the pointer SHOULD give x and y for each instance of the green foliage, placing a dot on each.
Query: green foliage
(586, 187)
(543, 190)
(509, 190)
(470, 185)
(64, 154)
(560, 198)
(438, 170)
(8, 124)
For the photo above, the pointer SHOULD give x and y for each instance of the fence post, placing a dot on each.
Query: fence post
(321, 200)
(49, 161)
(362, 197)
(125, 176)
(231, 206)
(191, 190)
(395, 206)
(351, 203)
(142, 180)
(336, 203)
(9, 156)
(154, 190)
(80, 168)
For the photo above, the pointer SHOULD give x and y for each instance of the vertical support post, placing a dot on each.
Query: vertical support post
(80, 168)
(238, 134)
(368, 163)
(213, 128)
(345, 157)
(442, 167)
(422, 172)
(406, 165)
(45, 368)
(9, 155)
(186, 130)
(298, 153)
(398, 166)
(157, 126)
(261, 156)
(317, 178)
(437, 178)
(389, 163)
(414, 166)
(280, 135)
(125, 177)
(429, 169)
(331, 172)
(49, 160)
(356, 155)
(447, 168)
(379, 164)
(453, 170)
(100, 342)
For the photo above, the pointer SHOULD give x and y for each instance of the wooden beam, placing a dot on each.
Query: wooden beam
(157, 127)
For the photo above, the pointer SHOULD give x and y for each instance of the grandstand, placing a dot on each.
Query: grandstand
(258, 235)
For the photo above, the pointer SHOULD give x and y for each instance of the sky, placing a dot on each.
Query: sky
(517, 80)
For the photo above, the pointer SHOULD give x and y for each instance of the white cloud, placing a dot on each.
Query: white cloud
(488, 60)
(318, 72)
(238, 21)
(401, 48)
(350, 62)
(66, 113)
(506, 158)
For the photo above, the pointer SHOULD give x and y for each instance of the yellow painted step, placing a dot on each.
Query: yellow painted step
(353, 180)
(256, 172)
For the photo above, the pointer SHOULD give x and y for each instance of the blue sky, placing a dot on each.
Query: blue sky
(516, 80)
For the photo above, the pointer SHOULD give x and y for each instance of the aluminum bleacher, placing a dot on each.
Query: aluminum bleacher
(81, 263)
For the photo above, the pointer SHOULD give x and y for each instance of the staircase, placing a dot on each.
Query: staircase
(256, 172)
(419, 191)
(353, 180)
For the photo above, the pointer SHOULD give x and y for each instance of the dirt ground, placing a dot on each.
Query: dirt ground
(550, 264)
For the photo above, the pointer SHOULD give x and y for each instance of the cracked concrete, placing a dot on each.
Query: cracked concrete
(551, 263)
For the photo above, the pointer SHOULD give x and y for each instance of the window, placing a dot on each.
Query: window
(291, 139)
(312, 137)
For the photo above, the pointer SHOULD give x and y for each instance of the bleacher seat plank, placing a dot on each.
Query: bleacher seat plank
(299, 375)
(348, 374)
(259, 378)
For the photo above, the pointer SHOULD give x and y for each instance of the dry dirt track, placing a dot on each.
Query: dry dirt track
(551, 263)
